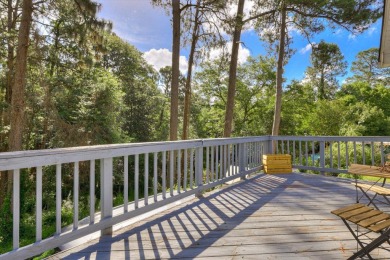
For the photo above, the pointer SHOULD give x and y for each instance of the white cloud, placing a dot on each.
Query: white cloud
(248, 9)
(138, 23)
(183, 64)
(351, 36)
(306, 49)
(243, 53)
(163, 57)
(248, 6)
(371, 30)
(232, 8)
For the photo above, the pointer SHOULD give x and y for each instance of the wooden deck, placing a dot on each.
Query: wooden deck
(265, 217)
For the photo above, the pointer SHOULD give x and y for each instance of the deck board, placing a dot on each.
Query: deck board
(267, 216)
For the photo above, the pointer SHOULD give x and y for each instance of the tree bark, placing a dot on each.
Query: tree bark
(5, 113)
(187, 97)
(321, 88)
(19, 82)
(279, 74)
(10, 53)
(175, 71)
(233, 70)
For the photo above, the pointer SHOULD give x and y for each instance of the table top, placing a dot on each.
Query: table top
(367, 170)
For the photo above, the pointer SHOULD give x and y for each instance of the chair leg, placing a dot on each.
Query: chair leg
(358, 240)
(388, 201)
(371, 200)
(371, 246)
(356, 187)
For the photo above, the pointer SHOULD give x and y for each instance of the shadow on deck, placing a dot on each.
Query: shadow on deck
(266, 217)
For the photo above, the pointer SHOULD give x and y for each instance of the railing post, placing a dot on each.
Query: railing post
(322, 157)
(270, 146)
(241, 154)
(16, 208)
(106, 191)
(199, 170)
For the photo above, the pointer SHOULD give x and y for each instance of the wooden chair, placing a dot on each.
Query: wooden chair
(378, 190)
(376, 187)
(371, 219)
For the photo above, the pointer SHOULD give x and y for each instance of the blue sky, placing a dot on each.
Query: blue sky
(148, 28)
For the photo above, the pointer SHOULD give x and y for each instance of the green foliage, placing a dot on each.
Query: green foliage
(365, 120)
(327, 62)
(298, 103)
(347, 154)
(368, 109)
(90, 110)
(254, 95)
(5, 223)
(361, 91)
(45, 254)
(326, 118)
(366, 68)
(142, 99)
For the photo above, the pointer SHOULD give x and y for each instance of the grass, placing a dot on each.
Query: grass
(45, 254)
(360, 177)
(369, 178)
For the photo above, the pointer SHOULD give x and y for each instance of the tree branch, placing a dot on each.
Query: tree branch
(317, 15)
(42, 23)
(307, 36)
(258, 16)
(40, 2)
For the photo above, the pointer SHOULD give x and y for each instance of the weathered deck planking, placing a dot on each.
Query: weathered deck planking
(265, 217)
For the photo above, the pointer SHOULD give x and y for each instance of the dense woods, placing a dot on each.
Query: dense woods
(67, 80)
(83, 85)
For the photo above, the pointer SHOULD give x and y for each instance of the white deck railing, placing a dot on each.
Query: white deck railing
(332, 153)
(194, 166)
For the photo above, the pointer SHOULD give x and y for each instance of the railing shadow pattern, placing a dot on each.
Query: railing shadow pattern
(208, 227)
(193, 226)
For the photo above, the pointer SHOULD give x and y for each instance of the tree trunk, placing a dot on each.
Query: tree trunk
(10, 53)
(175, 71)
(279, 74)
(5, 113)
(18, 89)
(233, 70)
(187, 97)
(321, 87)
(19, 82)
